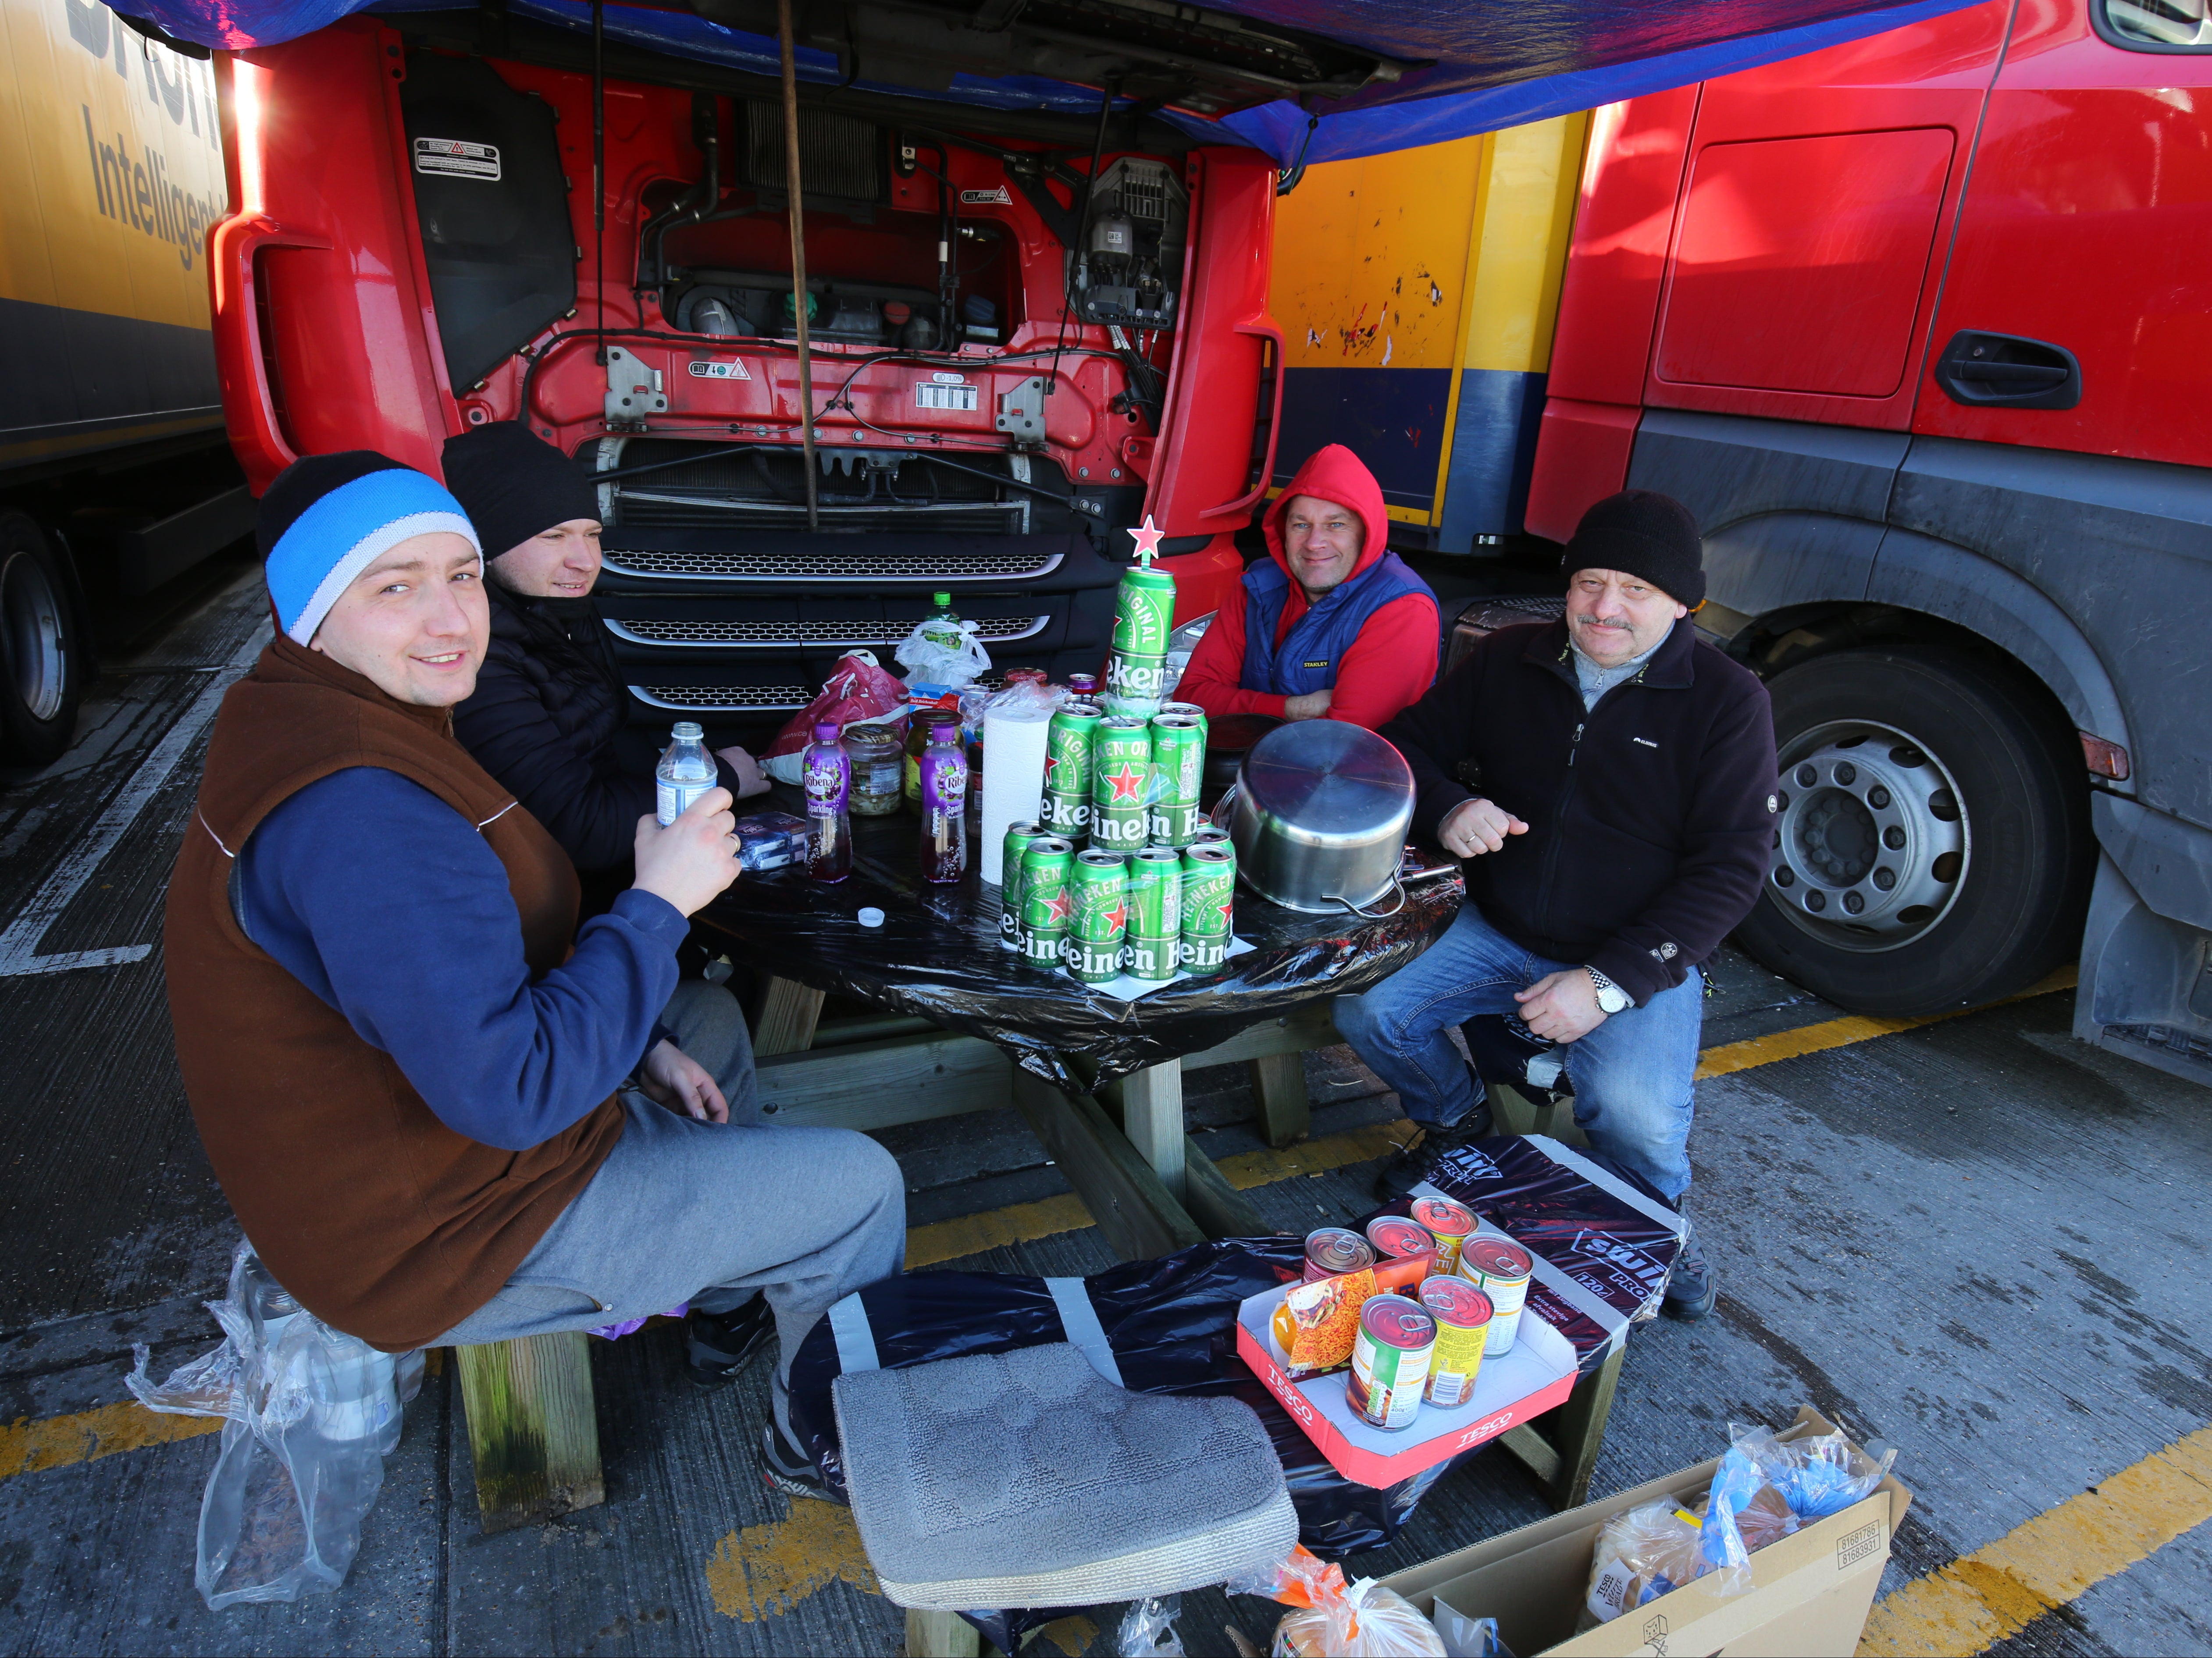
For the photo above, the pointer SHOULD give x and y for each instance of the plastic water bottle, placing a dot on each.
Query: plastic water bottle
(943, 804)
(686, 771)
(828, 770)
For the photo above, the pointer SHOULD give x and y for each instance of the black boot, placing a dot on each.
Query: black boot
(1410, 1165)
(787, 1467)
(717, 1346)
(1690, 1289)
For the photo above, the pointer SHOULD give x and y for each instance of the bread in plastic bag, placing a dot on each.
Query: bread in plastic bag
(858, 692)
(1464, 1636)
(312, 1414)
(1815, 1476)
(1330, 1621)
(1641, 1554)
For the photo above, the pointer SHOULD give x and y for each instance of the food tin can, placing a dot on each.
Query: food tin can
(1396, 1238)
(1501, 1268)
(1334, 1251)
(1155, 914)
(1450, 1223)
(1020, 837)
(1046, 867)
(1121, 776)
(1209, 896)
(1390, 1358)
(1144, 613)
(1463, 1314)
(1098, 922)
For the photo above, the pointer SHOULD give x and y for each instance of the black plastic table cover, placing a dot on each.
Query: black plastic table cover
(938, 955)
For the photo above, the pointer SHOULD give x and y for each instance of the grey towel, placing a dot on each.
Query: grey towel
(1025, 1479)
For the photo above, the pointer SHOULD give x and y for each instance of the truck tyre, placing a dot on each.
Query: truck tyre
(41, 662)
(1932, 842)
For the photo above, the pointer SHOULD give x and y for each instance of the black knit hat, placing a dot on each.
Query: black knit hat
(514, 484)
(1638, 532)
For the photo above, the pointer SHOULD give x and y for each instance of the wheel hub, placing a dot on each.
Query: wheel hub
(1870, 842)
(31, 652)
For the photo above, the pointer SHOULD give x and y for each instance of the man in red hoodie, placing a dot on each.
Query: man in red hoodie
(1334, 626)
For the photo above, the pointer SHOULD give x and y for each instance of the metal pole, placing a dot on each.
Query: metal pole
(792, 189)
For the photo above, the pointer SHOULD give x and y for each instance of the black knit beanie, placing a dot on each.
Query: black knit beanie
(1638, 532)
(514, 484)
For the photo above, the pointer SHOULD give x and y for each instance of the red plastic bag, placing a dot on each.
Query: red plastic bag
(858, 692)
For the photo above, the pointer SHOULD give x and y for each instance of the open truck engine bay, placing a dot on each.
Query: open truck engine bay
(1009, 369)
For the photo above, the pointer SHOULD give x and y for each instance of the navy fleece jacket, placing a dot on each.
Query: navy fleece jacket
(386, 903)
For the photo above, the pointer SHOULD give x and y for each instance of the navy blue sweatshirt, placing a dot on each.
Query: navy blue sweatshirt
(386, 903)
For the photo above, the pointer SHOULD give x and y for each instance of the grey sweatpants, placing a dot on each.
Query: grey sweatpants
(709, 1212)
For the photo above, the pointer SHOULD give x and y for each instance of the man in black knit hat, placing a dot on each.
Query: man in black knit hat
(1619, 828)
(548, 702)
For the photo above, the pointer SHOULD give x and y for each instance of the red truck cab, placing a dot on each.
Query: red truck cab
(1010, 370)
(1917, 326)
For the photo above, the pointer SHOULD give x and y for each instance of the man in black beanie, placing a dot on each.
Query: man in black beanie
(1619, 831)
(548, 702)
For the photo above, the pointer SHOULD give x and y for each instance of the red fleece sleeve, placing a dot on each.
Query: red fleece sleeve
(1389, 665)
(1211, 679)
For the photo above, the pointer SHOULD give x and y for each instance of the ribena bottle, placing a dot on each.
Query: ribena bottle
(828, 770)
(943, 804)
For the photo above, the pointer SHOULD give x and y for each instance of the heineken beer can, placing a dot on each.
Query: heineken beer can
(1209, 835)
(1178, 769)
(1121, 778)
(1099, 920)
(1020, 838)
(1144, 612)
(1066, 810)
(1155, 898)
(1045, 865)
(1134, 677)
(1209, 893)
(1189, 711)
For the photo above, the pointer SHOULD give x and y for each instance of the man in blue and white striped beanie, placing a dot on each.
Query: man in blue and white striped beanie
(374, 565)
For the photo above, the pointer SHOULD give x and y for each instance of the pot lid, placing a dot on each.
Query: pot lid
(1324, 782)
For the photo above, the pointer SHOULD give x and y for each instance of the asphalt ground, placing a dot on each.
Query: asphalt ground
(1974, 1238)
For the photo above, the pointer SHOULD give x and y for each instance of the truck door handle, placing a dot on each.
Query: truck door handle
(2006, 370)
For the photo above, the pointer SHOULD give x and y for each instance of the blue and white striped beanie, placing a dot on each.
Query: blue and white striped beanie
(327, 518)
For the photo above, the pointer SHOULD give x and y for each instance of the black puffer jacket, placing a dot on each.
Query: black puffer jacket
(543, 720)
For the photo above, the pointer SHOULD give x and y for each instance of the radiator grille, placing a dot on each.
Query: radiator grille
(709, 699)
(706, 513)
(870, 631)
(839, 155)
(831, 565)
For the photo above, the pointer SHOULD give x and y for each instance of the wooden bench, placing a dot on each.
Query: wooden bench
(533, 1431)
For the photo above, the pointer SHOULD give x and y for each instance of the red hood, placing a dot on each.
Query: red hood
(1333, 473)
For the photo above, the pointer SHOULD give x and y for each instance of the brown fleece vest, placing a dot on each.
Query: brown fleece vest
(382, 1221)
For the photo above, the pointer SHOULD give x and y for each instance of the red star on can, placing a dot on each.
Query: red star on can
(1128, 785)
(1118, 916)
(1060, 906)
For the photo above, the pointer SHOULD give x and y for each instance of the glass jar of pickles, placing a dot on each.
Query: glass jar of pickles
(878, 755)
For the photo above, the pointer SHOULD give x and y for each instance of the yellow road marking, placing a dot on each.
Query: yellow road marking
(2047, 1562)
(762, 1571)
(1842, 1033)
(57, 1441)
(970, 1235)
(1250, 1168)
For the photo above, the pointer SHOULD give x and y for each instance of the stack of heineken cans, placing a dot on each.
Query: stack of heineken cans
(1154, 891)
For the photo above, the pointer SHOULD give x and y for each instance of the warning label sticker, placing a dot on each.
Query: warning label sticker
(997, 197)
(960, 398)
(457, 159)
(718, 371)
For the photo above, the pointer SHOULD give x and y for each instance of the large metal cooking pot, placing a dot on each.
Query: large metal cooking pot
(1319, 816)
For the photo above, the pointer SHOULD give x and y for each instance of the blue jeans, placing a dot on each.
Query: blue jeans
(1631, 1074)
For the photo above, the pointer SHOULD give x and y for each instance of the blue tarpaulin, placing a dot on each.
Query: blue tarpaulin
(1482, 65)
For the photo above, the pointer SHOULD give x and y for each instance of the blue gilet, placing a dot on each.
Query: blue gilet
(1308, 659)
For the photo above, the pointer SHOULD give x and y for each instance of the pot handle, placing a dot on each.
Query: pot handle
(1397, 886)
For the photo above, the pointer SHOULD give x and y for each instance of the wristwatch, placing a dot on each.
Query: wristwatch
(1611, 997)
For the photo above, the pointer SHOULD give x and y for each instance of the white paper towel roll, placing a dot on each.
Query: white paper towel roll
(1013, 779)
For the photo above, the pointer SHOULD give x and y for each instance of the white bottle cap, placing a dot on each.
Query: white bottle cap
(872, 916)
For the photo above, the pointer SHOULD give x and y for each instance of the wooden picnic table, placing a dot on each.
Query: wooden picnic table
(961, 1023)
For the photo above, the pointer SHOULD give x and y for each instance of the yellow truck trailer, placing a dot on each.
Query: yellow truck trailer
(1417, 292)
(115, 473)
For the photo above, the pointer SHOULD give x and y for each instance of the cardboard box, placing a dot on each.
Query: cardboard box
(1536, 1374)
(1813, 1590)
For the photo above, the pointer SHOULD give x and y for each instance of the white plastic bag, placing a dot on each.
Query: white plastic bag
(944, 656)
(311, 1415)
(1149, 1630)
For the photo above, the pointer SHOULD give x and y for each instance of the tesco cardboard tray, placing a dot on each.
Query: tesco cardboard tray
(1531, 1376)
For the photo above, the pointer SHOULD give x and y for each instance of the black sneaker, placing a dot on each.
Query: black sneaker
(787, 1468)
(1690, 1289)
(1410, 1165)
(717, 1346)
